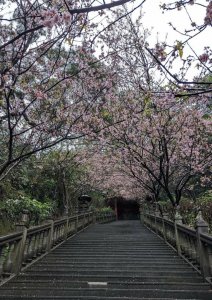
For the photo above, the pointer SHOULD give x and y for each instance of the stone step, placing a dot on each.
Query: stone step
(112, 264)
(102, 250)
(111, 278)
(121, 260)
(144, 256)
(119, 244)
(111, 267)
(139, 241)
(87, 298)
(106, 292)
(168, 273)
(123, 285)
(110, 245)
(130, 252)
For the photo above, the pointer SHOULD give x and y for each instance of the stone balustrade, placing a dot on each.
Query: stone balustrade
(19, 249)
(193, 245)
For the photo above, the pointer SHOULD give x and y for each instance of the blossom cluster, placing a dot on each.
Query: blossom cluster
(53, 17)
(208, 17)
(203, 58)
(159, 51)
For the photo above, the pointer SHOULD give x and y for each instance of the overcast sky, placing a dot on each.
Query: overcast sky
(153, 17)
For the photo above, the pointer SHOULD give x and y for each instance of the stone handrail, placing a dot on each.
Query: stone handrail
(19, 249)
(194, 245)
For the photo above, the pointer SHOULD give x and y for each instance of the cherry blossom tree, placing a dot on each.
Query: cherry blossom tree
(160, 141)
(50, 78)
(36, 116)
(151, 65)
(161, 148)
(183, 52)
(55, 85)
(106, 173)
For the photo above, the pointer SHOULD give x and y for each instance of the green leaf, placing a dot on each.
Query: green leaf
(180, 49)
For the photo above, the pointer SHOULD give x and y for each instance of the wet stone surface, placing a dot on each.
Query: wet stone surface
(119, 260)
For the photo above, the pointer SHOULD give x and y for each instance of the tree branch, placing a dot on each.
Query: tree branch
(97, 8)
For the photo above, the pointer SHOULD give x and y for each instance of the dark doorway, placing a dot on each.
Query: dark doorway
(125, 209)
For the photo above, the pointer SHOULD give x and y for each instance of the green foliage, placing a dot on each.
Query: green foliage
(205, 204)
(72, 69)
(38, 211)
(45, 184)
(190, 207)
(98, 201)
(105, 209)
(106, 116)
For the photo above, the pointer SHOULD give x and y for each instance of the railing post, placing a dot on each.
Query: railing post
(94, 217)
(141, 213)
(2, 254)
(202, 227)
(50, 236)
(83, 220)
(116, 209)
(22, 226)
(20, 256)
(66, 227)
(177, 220)
(157, 214)
(165, 216)
(76, 223)
(149, 220)
(144, 216)
(146, 219)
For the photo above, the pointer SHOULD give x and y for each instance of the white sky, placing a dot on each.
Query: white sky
(153, 17)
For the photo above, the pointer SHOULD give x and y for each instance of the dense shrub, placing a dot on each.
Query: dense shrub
(12, 209)
(105, 210)
(189, 208)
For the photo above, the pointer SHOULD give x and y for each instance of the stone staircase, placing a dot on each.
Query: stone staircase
(119, 260)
